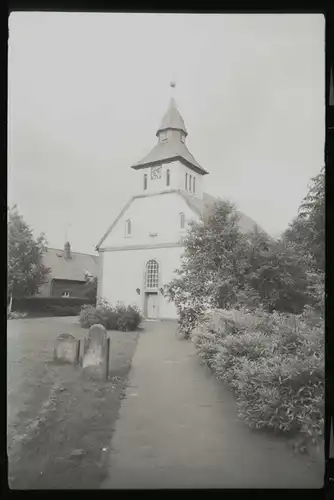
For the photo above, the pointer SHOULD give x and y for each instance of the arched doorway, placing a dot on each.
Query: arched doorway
(151, 309)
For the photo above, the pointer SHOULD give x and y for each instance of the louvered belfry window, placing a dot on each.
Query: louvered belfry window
(182, 220)
(152, 274)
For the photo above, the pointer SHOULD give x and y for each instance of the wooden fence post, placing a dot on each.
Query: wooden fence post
(77, 360)
(107, 358)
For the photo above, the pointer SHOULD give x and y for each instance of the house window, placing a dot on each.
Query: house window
(65, 294)
(128, 228)
(186, 183)
(182, 220)
(194, 185)
(168, 177)
(152, 274)
(189, 182)
(145, 181)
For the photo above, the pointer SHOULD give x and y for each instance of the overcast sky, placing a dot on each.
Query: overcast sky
(87, 93)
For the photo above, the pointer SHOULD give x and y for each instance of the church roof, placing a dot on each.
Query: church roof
(70, 269)
(172, 119)
(200, 206)
(171, 150)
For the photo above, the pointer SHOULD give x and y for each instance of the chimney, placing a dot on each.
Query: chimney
(67, 250)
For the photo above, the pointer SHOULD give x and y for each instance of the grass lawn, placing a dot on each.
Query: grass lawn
(59, 425)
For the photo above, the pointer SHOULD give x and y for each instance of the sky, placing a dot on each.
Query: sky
(87, 92)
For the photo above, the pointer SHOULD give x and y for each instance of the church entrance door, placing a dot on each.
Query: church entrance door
(152, 305)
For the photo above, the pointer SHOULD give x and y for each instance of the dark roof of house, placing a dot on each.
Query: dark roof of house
(172, 119)
(70, 269)
(246, 224)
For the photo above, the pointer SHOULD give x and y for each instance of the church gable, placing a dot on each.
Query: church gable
(149, 220)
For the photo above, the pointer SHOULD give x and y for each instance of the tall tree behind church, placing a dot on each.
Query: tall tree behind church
(307, 231)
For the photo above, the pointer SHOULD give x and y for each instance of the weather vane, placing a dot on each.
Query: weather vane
(173, 82)
(67, 226)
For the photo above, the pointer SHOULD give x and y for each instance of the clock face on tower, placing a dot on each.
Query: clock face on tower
(156, 172)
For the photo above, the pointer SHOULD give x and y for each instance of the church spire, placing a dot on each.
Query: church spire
(171, 145)
(172, 119)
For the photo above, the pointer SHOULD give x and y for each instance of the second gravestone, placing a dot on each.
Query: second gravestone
(95, 361)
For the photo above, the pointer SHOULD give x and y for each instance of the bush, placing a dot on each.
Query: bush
(90, 315)
(55, 310)
(120, 317)
(188, 319)
(16, 315)
(275, 365)
(49, 306)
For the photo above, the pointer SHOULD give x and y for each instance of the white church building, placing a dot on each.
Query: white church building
(143, 246)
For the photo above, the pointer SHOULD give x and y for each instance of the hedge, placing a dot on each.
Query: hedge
(53, 306)
(274, 363)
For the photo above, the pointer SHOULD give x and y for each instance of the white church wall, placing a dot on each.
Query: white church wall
(124, 272)
(154, 220)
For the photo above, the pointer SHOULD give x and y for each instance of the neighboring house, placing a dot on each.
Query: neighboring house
(68, 271)
(142, 248)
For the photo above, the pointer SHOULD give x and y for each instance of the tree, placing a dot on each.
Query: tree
(90, 287)
(306, 234)
(222, 267)
(277, 274)
(26, 271)
(307, 230)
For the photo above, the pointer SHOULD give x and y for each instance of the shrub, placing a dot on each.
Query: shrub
(188, 319)
(56, 310)
(16, 315)
(285, 395)
(120, 317)
(90, 315)
(128, 318)
(275, 365)
(49, 306)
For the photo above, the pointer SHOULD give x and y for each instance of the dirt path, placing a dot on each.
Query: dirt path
(177, 428)
(60, 425)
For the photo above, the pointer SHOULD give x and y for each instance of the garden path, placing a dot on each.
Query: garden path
(177, 428)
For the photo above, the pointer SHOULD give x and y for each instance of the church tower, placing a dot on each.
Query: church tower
(170, 165)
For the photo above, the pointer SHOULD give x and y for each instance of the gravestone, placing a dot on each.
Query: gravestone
(67, 349)
(95, 361)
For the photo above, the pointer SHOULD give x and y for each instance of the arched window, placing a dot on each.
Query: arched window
(182, 220)
(168, 177)
(186, 184)
(128, 227)
(194, 185)
(145, 181)
(190, 182)
(152, 274)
